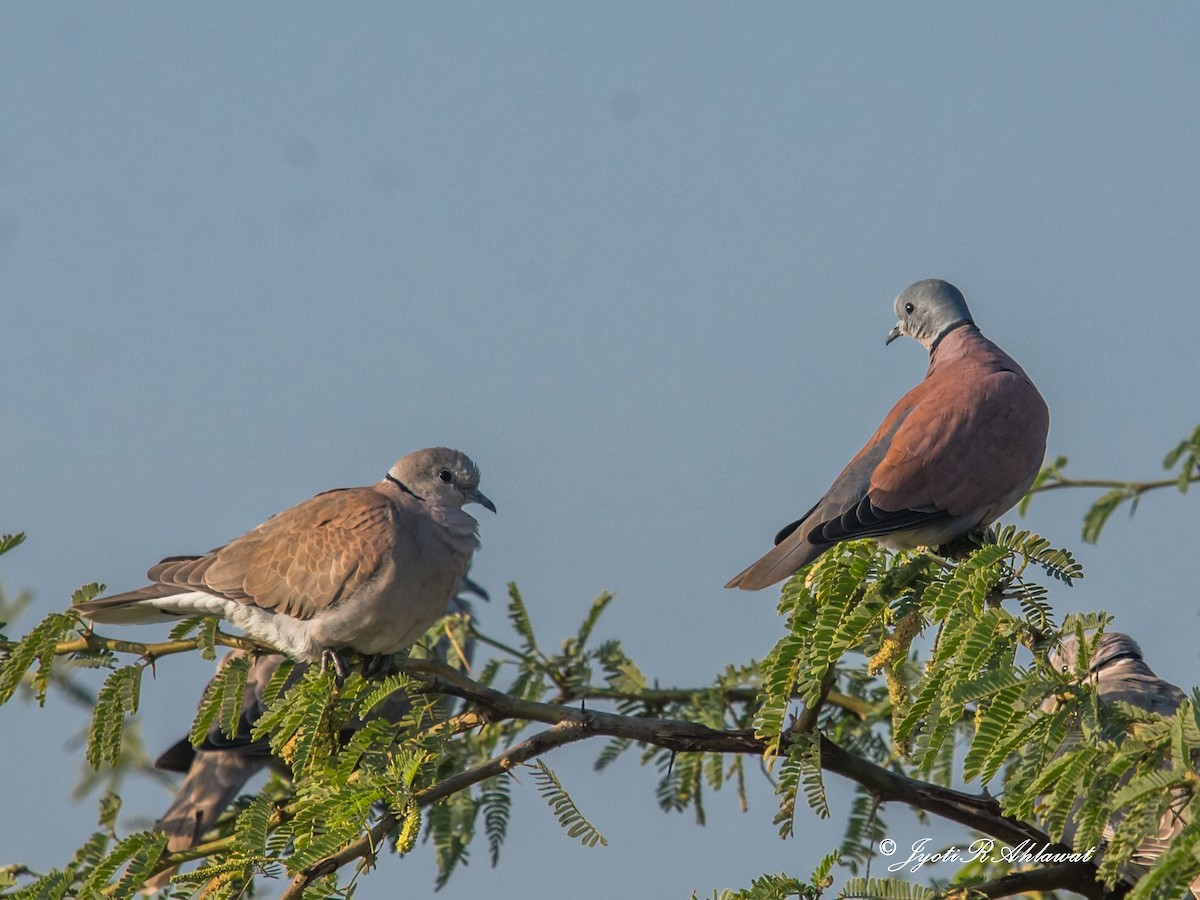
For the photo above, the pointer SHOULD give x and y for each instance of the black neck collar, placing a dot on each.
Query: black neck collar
(400, 484)
(1120, 657)
(937, 340)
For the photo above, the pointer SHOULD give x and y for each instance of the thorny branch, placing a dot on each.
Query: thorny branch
(978, 811)
(89, 641)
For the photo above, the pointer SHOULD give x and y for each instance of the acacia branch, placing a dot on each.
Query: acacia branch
(1077, 877)
(659, 697)
(90, 640)
(978, 811)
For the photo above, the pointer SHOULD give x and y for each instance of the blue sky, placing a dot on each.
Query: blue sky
(637, 260)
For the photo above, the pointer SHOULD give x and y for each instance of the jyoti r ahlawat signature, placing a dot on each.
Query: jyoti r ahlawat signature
(982, 850)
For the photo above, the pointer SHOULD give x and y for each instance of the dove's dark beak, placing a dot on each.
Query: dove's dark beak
(467, 586)
(476, 496)
(893, 334)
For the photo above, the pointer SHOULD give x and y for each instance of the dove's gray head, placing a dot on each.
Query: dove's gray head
(928, 309)
(440, 476)
(1118, 672)
(1113, 646)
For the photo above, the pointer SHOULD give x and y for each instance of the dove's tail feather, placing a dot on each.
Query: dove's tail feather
(121, 610)
(212, 782)
(149, 605)
(783, 560)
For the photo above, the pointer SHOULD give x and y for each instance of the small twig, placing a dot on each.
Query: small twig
(458, 650)
(807, 720)
(482, 638)
(1136, 488)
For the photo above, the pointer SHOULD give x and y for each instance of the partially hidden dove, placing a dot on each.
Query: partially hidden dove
(1119, 672)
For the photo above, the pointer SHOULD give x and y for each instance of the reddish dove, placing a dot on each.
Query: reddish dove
(367, 569)
(217, 770)
(955, 453)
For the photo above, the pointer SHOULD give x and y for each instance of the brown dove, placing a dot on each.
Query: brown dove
(956, 452)
(367, 569)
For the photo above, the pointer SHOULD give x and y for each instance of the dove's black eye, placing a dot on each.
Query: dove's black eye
(446, 475)
(908, 308)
